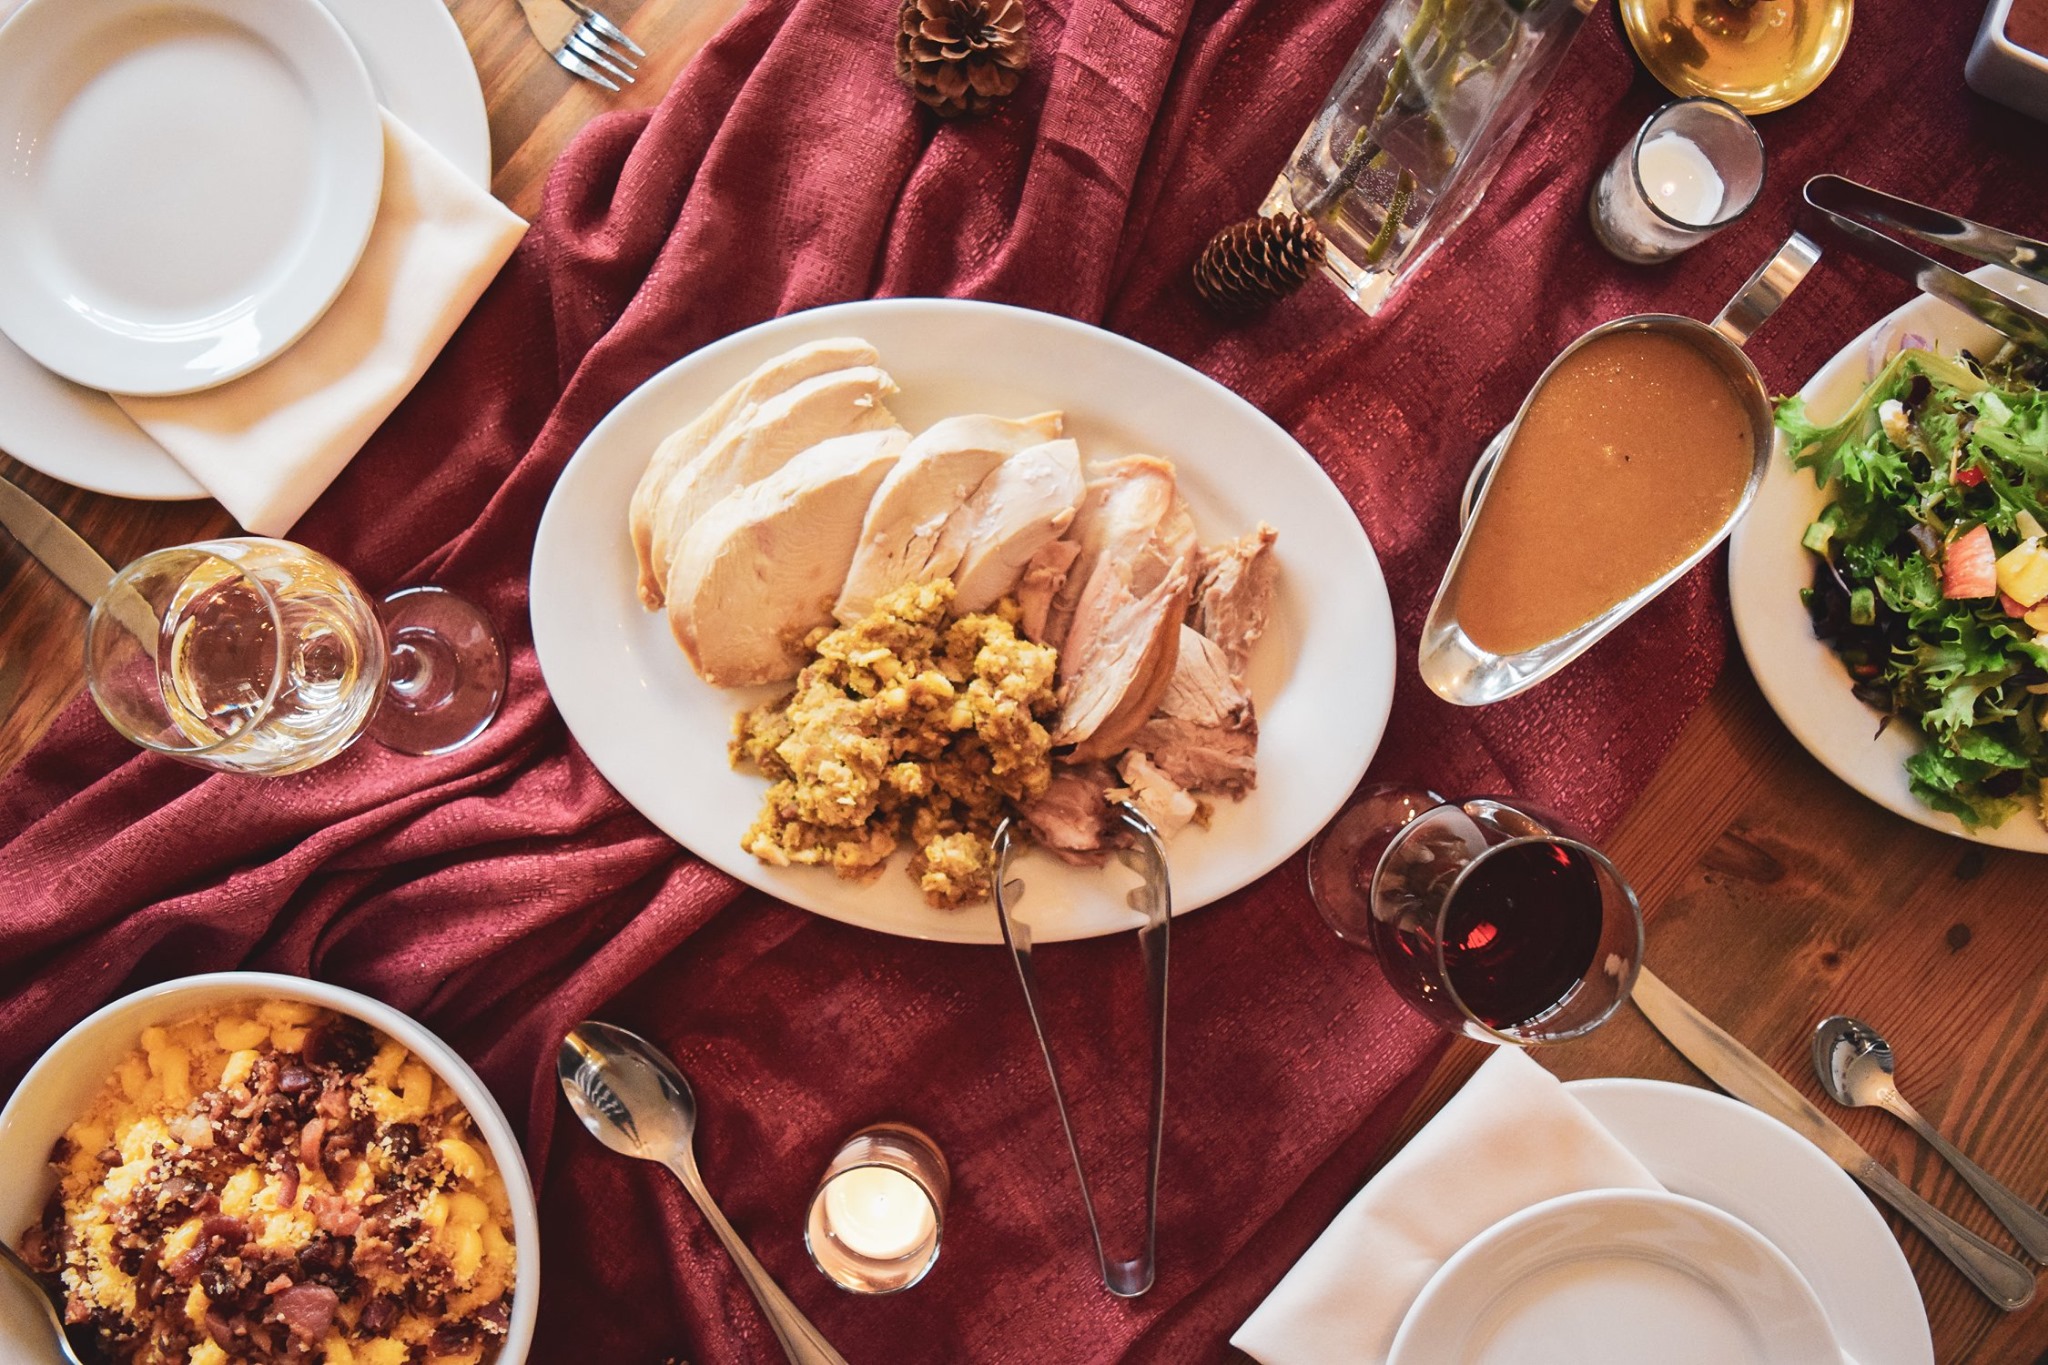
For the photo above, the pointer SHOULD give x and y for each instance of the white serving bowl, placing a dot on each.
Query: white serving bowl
(66, 1079)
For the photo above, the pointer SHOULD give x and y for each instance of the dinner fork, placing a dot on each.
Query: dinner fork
(582, 41)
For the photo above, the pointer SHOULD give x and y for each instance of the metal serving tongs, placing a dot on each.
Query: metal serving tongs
(1843, 202)
(1154, 900)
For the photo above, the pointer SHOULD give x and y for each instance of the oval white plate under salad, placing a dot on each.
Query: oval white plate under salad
(1322, 677)
(1801, 677)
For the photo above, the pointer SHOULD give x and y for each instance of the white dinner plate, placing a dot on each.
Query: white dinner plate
(1322, 678)
(188, 185)
(1617, 1277)
(1722, 1152)
(422, 72)
(1801, 678)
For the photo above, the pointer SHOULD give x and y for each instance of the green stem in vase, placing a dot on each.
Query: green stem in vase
(1390, 226)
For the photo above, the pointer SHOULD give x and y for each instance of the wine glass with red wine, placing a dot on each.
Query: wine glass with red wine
(1483, 915)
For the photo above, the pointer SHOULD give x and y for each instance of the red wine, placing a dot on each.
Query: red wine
(1521, 932)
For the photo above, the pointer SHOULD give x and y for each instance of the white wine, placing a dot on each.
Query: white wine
(1758, 56)
(270, 661)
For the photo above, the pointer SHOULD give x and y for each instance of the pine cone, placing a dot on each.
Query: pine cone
(1251, 265)
(961, 56)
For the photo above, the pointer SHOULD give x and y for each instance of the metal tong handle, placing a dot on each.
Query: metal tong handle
(1154, 899)
(1978, 241)
(1994, 307)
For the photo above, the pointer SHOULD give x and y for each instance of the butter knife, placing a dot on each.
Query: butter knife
(1740, 1072)
(53, 544)
(1836, 198)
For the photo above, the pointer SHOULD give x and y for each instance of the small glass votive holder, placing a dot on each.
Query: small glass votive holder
(874, 1223)
(1695, 166)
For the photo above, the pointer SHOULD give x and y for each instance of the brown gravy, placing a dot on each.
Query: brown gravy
(1632, 455)
(2026, 25)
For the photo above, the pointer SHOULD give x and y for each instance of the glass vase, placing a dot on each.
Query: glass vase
(1421, 119)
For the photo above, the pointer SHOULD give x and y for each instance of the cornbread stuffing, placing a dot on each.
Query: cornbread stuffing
(908, 724)
(275, 1182)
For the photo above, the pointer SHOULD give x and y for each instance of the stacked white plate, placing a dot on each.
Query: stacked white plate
(1763, 1252)
(186, 186)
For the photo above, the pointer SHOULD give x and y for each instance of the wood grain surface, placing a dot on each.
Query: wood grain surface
(1777, 895)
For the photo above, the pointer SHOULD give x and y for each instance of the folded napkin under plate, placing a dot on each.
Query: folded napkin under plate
(268, 444)
(1511, 1138)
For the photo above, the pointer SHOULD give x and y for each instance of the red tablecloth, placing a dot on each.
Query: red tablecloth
(504, 892)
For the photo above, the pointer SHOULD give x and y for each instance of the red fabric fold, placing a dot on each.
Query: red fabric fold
(503, 892)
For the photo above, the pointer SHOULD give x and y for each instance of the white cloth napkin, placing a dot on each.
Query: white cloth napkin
(269, 443)
(1511, 1138)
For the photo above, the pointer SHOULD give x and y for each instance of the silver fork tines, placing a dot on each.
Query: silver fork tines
(583, 42)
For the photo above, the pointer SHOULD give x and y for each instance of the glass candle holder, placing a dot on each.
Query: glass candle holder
(875, 1221)
(1695, 166)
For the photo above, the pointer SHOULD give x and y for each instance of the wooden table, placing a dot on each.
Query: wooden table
(1777, 895)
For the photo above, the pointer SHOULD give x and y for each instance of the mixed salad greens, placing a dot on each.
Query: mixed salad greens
(1931, 574)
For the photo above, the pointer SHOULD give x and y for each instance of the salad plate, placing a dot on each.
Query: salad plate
(1720, 1151)
(1322, 677)
(1800, 676)
(189, 184)
(1614, 1277)
(421, 71)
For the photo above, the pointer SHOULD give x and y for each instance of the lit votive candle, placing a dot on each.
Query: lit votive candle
(1695, 167)
(875, 1220)
(1679, 179)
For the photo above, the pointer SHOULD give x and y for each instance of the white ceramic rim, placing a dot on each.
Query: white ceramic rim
(1995, 38)
(421, 67)
(349, 137)
(1704, 1144)
(1799, 676)
(1449, 1280)
(155, 1004)
(607, 662)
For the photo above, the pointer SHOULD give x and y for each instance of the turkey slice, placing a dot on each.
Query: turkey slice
(946, 463)
(738, 402)
(1018, 510)
(757, 572)
(810, 411)
(1136, 570)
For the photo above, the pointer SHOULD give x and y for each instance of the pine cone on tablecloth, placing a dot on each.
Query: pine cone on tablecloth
(961, 56)
(1251, 265)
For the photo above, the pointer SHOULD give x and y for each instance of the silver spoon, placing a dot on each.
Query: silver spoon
(633, 1099)
(52, 1309)
(1855, 1066)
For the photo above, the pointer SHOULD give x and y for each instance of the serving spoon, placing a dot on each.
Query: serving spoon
(52, 1310)
(633, 1099)
(1855, 1066)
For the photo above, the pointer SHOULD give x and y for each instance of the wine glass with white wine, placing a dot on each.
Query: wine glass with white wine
(259, 656)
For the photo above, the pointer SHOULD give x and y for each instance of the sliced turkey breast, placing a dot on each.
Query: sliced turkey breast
(810, 411)
(1044, 573)
(757, 572)
(1119, 649)
(1124, 500)
(939, 470)
(736, 403)
(1234, 593)
(1018, 510)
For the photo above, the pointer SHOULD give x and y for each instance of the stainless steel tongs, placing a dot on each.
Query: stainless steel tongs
(1844, 202)
(1154, 900)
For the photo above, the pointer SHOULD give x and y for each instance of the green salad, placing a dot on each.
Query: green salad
(1931, 566)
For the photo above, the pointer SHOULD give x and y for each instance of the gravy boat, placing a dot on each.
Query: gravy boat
(1456, 667)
